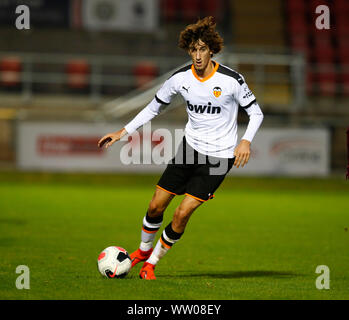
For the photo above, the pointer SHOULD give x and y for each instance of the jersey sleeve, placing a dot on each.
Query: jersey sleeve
(167, 91)
(162, 99)
(256, 118)
(244, 95)
(147, 114)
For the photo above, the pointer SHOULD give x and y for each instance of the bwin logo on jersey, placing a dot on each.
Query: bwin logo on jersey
(202, 109)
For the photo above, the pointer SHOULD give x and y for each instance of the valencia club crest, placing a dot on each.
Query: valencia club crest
(217, 91)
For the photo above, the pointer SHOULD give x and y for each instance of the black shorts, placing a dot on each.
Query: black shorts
(194, 174)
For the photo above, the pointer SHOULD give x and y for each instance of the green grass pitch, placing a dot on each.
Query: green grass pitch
(260, 238)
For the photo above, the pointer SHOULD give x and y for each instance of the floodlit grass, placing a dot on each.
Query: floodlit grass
(260, 238)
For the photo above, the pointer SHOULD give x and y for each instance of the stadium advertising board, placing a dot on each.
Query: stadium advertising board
(132, 15)
(73, 147)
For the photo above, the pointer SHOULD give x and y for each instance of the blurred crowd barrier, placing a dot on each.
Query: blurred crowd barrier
(73, 147)
(277, 79)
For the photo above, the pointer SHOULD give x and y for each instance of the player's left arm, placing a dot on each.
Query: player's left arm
(247, 101)
(242, 151)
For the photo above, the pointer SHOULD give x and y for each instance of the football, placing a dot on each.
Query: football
(114, 262)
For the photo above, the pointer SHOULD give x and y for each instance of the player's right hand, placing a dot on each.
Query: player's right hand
(110, 138)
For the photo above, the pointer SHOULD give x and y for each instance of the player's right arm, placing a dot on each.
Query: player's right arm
(148, 113)
(112, 137)
(161, 100)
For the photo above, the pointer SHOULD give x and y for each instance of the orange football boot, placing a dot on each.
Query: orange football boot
(147, 271)
(140, 255)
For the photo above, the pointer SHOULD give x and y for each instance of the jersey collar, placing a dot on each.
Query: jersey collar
(216, 65)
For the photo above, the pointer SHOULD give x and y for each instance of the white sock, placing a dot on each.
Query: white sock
(149, 229)
(167, 240)
(158, 253)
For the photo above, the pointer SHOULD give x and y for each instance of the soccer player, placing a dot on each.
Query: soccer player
(212, 94)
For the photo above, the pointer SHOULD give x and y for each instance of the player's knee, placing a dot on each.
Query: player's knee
(155, 209)
(181, 215)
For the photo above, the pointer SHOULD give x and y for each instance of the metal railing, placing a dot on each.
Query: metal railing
(293, 79)
(33, 73)
(49, 69)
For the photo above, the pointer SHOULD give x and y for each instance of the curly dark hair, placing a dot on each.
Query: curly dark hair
(203, 29)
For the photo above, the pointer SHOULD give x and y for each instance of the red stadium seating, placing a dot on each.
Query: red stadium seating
(170, 9)
(144, 72)
(212, 8)
(341, 17)
(342, 26)
(326, 79)
(190, 10)
(341, 7)
(77, 74)
(299, 43)
(343, 55)
(297, 25)
(295, 6)
(324, 54)
(343, 42)
(313, 4)
(10, 71)
(345, 80)
(322, 39)
(310, 78)
(324, 48)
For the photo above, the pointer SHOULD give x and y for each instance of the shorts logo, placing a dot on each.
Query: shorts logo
(217, 91)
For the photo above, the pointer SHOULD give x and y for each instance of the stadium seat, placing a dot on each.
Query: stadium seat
(190, 10)
(144, 72)
(297, 25)
(10, 71)
(344, 79)
(295, 6)
(169, 10)
(310, 79)
(300, 44)
(313, 4)
(343, 55)
(327, 80)
(320, 46)
(322, 39)
(342, 16)
(342, 42)
(212, 8)
(324, 54)
(342, 26)
(78, 72)
(341, 7)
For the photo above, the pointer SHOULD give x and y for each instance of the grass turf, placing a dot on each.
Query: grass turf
(260, 238)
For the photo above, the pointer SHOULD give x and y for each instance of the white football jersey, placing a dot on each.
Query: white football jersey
(212, 105)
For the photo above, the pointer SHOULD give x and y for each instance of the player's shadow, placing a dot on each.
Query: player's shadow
(237, 274)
